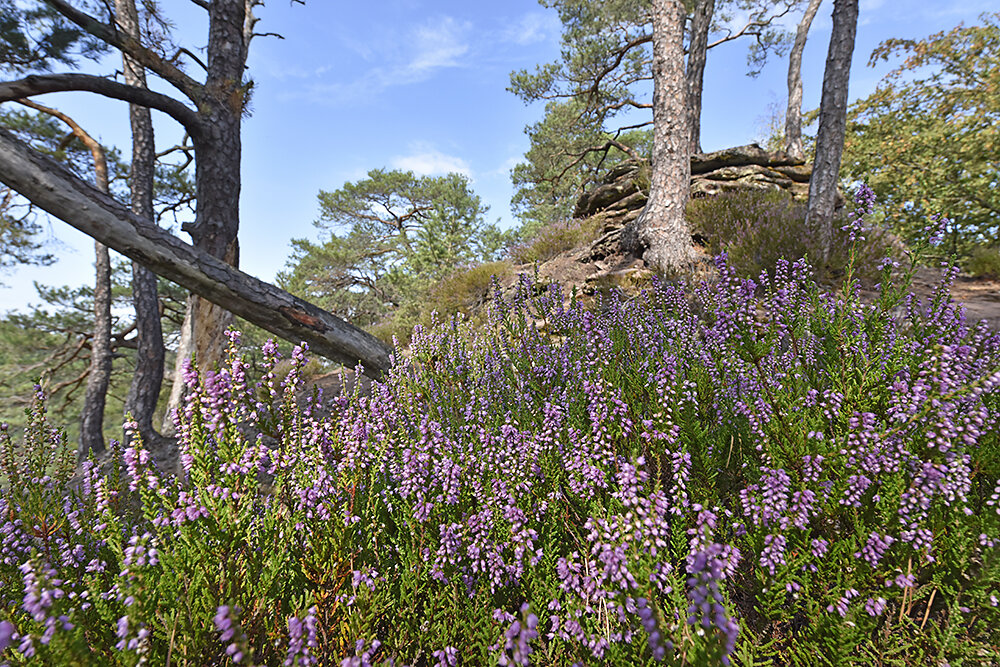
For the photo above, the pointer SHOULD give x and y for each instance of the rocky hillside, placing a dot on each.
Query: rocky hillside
(617, 201)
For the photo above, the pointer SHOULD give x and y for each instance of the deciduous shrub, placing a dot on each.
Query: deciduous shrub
(779, 475)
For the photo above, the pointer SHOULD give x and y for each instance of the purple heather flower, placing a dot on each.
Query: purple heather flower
(708, 567)
(121, 631)
(773, 553)
(446, 657)
(875, 607)
(362, 657)
(224, 623)
(302, 642)
(936, 230)
(875, 548)
(518, 638)
(819, 547)
(8, 633)
(842, 603)
(864, 200)
(648, 620)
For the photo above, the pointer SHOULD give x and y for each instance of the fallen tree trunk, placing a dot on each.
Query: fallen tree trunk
(53, 188)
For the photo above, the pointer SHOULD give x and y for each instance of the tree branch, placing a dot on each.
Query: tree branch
(750, 25)
(56, 190)
(612, 66)
(182, 50)
(39, 84)
(132, 47)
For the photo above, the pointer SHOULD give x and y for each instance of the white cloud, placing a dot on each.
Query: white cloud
(504, 169)
(414, 57)
(532, 28)
(438, 44)
(423, 160)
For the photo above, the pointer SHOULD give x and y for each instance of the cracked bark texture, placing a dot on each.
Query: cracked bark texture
(99, 375)
(217, 184)
(662, 228)
(832, 125)
(793, 114)
(701, 22)
(144, 391)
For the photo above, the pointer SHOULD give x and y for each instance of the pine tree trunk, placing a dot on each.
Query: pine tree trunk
(99, 370)
(99, 376)
(793, 115)
(217, 184)
(144, 391)
(832, 126)
(662, 228)
(701, 21)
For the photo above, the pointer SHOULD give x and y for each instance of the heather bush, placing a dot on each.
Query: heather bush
(739, 472)
(462, 291)
(756, 228)
(553, 239)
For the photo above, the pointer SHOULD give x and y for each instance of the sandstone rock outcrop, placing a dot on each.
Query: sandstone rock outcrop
(621, 195)
(624, 188)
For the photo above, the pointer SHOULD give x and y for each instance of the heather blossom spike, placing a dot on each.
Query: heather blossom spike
(689, 473)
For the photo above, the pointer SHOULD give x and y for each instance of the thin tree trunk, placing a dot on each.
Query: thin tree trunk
(832, 126)
(662, 228)
(701, 21)
(144, 391)
(99, 374)
(217, 185)
(99, 377)
(793, 115)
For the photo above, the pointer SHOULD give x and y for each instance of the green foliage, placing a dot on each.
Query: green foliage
(756, 228)
(556, 483)
(20, 229)
(392, 235)
(50, 344)
(927, 139)
(34, 36)
(597, 96)
(460, 292)
(569, 154)
(555, 238)
(984, 263)
(577, 138)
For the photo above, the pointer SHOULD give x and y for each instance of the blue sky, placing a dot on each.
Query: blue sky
(421, 85)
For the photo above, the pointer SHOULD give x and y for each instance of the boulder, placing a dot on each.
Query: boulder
(625, 188)
(702, 163)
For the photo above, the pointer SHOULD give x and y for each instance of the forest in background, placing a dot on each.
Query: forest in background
(392, 246)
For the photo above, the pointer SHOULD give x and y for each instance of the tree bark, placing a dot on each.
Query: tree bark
(832, 126)
(701, 22)
(40, 84)
(793, 115)
(147, 379)
(99, 377)
(217, 184)
(51, 187)
(99, 373)
(662, 228)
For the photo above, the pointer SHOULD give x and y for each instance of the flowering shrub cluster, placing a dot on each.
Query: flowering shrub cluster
(736, 473)
(757, 227)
